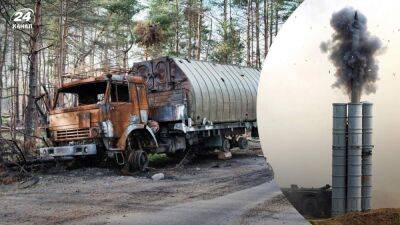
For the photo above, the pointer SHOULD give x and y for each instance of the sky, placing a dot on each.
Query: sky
(296, 95)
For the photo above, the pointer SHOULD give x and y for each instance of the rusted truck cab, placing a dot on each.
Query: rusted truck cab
(99, 116)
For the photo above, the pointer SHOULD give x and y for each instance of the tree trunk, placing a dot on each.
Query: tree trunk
(16, 81)
(248, 62)
(33, 69)
(83, 36)
(177, 27)
(15, 114)
(44, 73)
(25, 89)
(60, 48)
(93, 53)
(21, 75)
(39, 70)
(276, 18)
(189, 43)
(63, 28)
(199, 29)
(225, 35)
(106, 59)
(225, 29)
(125, 60)
(2, 62)
(258, 57)
(189, 18)
(266, 44)
(271, 22)
(236, 50)
(252, 34)
(209, 39)
(49, 69)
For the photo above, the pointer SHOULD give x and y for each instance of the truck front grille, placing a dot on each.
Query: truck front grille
(72, 134)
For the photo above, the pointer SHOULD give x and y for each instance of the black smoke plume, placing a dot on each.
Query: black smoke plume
(353, 50)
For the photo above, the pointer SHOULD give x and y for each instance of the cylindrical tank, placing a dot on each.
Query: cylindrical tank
(202, 91)
(339, 159)
(354, 152)
(220, 93)
(367, 148)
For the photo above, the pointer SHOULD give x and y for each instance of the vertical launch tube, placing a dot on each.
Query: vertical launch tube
(355, 48)
(367, 148)
(354, 152)
(339, 159)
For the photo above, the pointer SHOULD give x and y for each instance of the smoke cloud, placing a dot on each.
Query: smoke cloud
(352, 50)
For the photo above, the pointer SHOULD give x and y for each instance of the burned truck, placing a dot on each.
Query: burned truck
(166, 105)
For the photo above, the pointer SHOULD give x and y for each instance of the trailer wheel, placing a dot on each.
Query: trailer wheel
(226, 145)
(243, 143)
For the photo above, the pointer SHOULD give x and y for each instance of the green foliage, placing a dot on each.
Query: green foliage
(287, 7)
(111, 25)
(158, 160)
(164, 15)
(122, 8)
(162, 12)
(231, 50)
(120, 15)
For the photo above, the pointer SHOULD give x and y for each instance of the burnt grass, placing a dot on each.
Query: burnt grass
(64, 194)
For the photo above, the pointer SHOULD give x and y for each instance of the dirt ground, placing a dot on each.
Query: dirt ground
(68, 196)
(375, 217)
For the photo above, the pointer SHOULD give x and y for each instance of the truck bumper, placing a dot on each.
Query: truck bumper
(74, 150)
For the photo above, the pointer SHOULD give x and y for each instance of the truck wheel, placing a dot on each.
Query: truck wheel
(141, 160)
(243, 143)
(138, 161)
(226, 145)
(136, 158)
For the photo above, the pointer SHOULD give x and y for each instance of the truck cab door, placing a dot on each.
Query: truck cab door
(121, 107)
(139, 101)
(142, 102)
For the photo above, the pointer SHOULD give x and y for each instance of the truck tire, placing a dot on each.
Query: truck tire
(243, 143)
(136, 158)
(137, 161)
(141, 160)
(226, 145)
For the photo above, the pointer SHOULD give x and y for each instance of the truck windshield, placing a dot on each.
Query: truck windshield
(83, 94)
(91, 93)
(119, 93)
